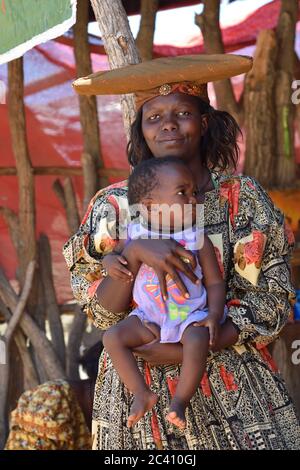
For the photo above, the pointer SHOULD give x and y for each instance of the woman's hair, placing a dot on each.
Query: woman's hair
(137, 148)
(218, 147)
(145, 177)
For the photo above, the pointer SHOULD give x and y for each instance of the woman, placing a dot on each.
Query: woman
(57, 414)
(241, 402)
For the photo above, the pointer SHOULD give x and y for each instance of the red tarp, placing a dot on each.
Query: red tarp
(234, 37)
(54, 133)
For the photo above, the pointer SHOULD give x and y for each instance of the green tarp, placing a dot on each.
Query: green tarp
(26, 23)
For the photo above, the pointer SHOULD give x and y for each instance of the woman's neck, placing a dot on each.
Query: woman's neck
(202, 173)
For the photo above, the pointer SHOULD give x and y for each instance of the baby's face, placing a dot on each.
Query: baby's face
(174, 199)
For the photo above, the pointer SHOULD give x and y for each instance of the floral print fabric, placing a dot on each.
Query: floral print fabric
(241, 402)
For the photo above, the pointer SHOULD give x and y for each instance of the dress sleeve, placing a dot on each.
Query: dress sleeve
(84, 251)
(260, 288)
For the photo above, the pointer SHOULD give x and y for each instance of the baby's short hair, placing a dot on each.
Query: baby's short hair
(144, 177)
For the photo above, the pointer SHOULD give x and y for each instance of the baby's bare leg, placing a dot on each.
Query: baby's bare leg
(195, 342)
(118, 341)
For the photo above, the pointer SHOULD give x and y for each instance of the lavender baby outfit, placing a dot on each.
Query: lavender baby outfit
(174, 315)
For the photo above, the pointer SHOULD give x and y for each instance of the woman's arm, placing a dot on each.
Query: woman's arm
(84, 253)
(163, 255)
(228, 336)
(157, 354)
(260, 289)
(115, 295)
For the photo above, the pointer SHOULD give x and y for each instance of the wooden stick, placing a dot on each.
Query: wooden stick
(67, 197)
(208, 22)
(258, 102)
(12, 222)
(87, 104)
(144, 39)
(66, 171)
(30, 376)
(8, 335)
(72, 213)
(17, 124)
(59, 191)
(284, 108)
(40, 342)
(65, 309)
(90, 180)
(53, 314)
(119, 46)
(16, 317)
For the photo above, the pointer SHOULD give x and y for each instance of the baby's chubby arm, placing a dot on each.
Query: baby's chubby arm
(115, 263)
(215, 288)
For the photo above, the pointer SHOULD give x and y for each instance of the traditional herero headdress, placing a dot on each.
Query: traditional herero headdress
(187, 74)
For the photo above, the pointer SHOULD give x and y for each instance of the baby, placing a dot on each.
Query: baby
(157, 184)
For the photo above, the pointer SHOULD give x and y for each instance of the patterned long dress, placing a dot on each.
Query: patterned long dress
(242, 402)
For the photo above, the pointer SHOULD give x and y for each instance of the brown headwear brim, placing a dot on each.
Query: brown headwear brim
(150, 75)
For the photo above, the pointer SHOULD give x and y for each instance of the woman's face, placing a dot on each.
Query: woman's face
(172, 125)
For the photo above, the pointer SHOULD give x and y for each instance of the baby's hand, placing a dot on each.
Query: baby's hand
(212, 322)
(114, 265)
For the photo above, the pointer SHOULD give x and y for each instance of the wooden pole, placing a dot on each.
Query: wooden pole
(67, 197)
(5, 368)
(26, 213)
(144, 39)
(12, 222)
(260, 112)
(119, 46)
(87, 105)
(23, 222)
(53, 313)
(209, 24)
(90, 179)
(65, 171)
(36, 336)
(285, 109)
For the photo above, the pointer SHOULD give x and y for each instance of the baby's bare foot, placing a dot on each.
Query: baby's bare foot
(141, 404)
(176, 413)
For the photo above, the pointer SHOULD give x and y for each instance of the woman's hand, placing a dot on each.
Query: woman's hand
(228, 336)
(212, 322)
(157, 354)
(165, 256)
